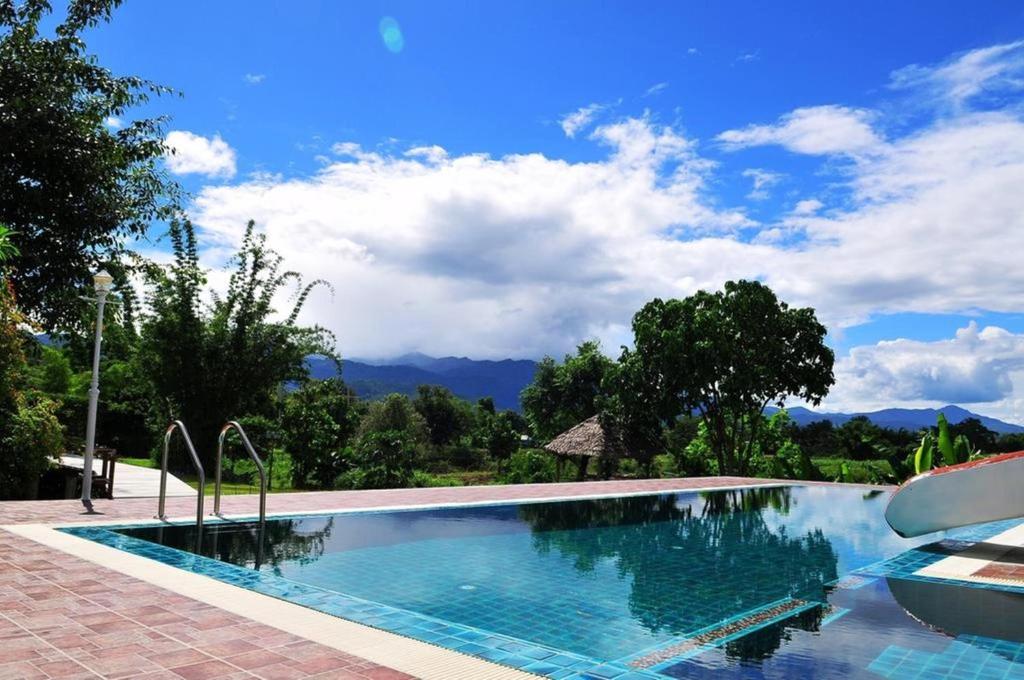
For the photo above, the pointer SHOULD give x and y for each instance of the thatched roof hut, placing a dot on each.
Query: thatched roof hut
(584, 441)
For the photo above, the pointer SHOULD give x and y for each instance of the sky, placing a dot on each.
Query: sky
(509, 179)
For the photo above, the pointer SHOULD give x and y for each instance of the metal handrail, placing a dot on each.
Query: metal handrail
(255, 458)
(178, 425)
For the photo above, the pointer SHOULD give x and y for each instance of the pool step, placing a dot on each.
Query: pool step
(721, 633)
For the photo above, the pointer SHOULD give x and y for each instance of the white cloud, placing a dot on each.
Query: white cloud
(975, 366)
(762, 180)
(527, 254)
(657, 88)
(808, 206)
(815, 130)
(254, 78)
(113, 122)
(747, 57)
(693, 51)
(966, 75)
(579, 119)
(199, 155)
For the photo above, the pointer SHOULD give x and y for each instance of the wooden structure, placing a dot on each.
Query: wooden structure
(582, 442)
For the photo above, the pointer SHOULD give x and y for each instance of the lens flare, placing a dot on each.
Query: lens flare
(391, 34)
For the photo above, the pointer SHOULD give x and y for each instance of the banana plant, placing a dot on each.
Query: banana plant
(923, 455)
(945, 442)
(963, 450)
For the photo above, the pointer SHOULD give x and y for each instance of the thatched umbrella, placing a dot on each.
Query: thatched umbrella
(584, 441)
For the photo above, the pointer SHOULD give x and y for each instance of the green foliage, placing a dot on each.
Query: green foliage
(855, 471)
(381, 460)
(207, 364)
(502, 438)
(31, 440)
(727, 355)
(923, 455)
(422, 479)
(562, 395)
(317, 422)
(963, 450)
(944, 442)
(53, 374)
(447, 417)
(394, 413)
(530, 466)
(30, 435)
(75, 189)
(8, 251)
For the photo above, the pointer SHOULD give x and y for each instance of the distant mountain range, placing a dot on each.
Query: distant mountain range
(466, 378)
(909, 418)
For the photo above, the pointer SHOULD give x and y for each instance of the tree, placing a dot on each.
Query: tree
(980, 436)
(394, 413)
(31, 438)
(206, 364)
(561, 396)
(726, 356)
(75, 189)
(503, 438)
(860, 439)
(317, 422)
(447, 417)
(382, 460)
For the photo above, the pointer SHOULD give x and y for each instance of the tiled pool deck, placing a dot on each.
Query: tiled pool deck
(66, 617)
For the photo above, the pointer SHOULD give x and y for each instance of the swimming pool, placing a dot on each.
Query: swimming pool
(772, 582)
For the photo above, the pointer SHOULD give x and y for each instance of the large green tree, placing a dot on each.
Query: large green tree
(448, 418)
(73, 188)
(210, 362)
(726, 356)
(317, 422)
(562, 395)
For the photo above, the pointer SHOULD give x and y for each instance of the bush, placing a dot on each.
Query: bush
(424, 479)
(30, 442)
(381, 460)
(529, 467)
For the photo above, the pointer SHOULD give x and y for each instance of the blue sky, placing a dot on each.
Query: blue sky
(507, 179)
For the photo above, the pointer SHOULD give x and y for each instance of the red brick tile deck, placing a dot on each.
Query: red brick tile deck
(62, 617)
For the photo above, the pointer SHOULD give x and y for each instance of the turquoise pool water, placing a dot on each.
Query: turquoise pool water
(775, 582)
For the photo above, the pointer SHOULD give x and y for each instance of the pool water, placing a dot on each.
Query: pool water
(768, 582)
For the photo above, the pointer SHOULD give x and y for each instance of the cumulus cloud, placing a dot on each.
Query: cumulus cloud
(815, 130)
(113, 122)
(528, 254)
(254, 78)
(579, 119)
(762, 180)
(196, 154)
(808, 206)
(966, 75)
(975, 366)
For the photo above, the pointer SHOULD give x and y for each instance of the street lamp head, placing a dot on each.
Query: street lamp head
(102, 281)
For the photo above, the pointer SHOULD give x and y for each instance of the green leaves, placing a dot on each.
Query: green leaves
(945, 442)
(923, 455)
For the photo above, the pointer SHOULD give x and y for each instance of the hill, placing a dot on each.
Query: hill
(909, 418)
(466, 378)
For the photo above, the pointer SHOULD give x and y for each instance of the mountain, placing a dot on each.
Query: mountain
(909, 418)
(466, 378)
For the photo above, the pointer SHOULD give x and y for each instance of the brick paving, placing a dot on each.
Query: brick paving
(63, 617)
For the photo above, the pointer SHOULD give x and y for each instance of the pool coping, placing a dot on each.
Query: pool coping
(401, 653)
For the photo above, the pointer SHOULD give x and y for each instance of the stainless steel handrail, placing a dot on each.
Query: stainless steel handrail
(178, 425)
(255, 458)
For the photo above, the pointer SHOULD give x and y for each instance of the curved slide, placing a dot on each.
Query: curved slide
(970, 493)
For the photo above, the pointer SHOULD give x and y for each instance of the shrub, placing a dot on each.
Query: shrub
(529, 467)
(30, 442)
(380, 460)
(424, 479)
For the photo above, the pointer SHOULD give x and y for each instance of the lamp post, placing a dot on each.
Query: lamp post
(102, 284)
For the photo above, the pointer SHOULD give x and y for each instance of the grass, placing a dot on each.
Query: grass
(861, 471)
(138, 462)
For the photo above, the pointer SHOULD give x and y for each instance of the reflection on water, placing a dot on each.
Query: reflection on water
(610, 579)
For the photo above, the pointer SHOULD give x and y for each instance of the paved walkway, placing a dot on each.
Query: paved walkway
(132, 481)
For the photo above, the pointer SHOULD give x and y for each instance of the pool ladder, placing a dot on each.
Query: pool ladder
(177, 425)
(160, 514)
(228, 426)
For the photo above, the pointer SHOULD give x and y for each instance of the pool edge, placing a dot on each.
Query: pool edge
(407, 655)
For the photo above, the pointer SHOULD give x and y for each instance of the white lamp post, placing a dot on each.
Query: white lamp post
(102, 283)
